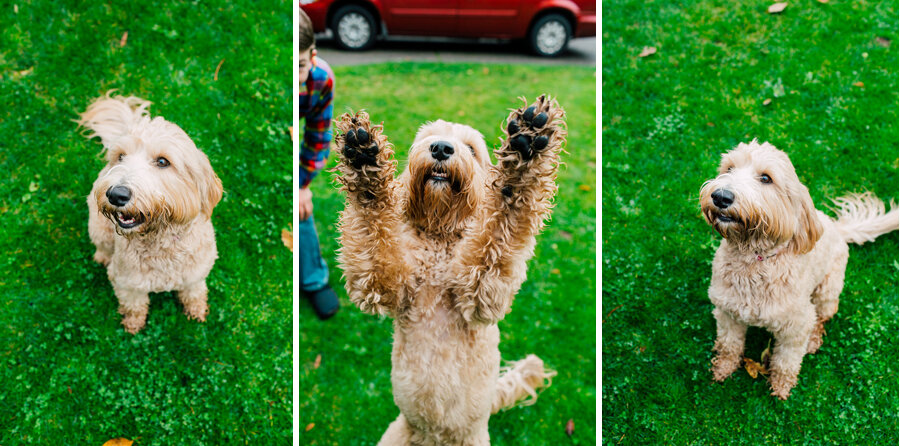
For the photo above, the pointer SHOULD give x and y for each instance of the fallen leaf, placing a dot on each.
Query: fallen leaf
(291, 131)
(822, 1)
(647, 51)
(124, 39)
(881, 41)
(554, 271)
(287, 237)
(710, 124)
(69, 388)
(754, 368)
(585, 187)
(216, 76)
(317, 362)
(859, 84)
(767, 101)
(570, 427)
(16, 9)
(310, 426)
(777, 7)
(764, 359)
(118, 442)
(485, 71)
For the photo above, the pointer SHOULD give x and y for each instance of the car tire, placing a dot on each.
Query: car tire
(550, 35)
(354, 28)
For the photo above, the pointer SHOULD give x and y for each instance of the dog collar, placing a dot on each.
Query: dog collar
(760, 257)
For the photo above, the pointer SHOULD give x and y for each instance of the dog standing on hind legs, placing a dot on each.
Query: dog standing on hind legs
(442, 250)
(781, 263)
(150, 209)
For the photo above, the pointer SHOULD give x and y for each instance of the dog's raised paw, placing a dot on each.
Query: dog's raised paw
(527, 128)
(358, 145)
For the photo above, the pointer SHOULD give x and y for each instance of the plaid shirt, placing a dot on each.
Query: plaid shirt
(316, 108)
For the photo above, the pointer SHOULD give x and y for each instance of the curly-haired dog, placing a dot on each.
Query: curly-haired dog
(781, 264)
(442, 249)
(150, 208)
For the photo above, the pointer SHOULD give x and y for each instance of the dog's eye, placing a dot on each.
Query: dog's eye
(730, 168)
(162, 163)
(121, 157)
(765, 179)
(471, 148)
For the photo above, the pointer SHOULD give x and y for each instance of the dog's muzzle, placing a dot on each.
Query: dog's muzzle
(441, 150)
(118, 195)
(722, 198)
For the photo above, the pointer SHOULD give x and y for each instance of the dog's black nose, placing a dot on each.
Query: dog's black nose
(722, 198)
(441, 150)
(118, 195)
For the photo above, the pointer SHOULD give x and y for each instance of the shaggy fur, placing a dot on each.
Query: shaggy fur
(781, 264)
(150, 208)
(442, 250)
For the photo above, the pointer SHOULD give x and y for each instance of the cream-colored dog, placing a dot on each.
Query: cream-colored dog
(781, 264)
(442, 249)
(150, 208)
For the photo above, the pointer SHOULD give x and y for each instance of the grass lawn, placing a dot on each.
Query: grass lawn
(347, 400)
(70, 374)
(830, 71)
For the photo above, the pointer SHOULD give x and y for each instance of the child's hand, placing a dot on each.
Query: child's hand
(305, 206)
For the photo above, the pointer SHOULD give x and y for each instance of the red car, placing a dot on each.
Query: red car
(548, 25)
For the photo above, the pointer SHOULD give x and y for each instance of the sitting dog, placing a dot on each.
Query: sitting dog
(781, 264)
(442, 250)
(150, 208)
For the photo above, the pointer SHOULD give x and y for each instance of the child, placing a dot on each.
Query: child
(316, 93)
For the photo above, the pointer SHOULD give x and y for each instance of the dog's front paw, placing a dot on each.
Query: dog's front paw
(782, 383)
(358, 144)
(134, 322)
(533, 130)
(102, 258)
(724, 366)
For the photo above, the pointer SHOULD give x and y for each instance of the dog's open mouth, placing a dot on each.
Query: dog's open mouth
(126, 220)
(438, 175)
(722, 218)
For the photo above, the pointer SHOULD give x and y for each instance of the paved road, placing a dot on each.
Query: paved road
(582, 51)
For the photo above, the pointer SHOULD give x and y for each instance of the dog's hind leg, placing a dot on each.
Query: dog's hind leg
(489, 266)
(373, 267)
(193, 298)
(520, 380)
(825, 298)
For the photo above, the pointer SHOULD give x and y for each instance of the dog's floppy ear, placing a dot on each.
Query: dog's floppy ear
(809, 229)
(112, 117)
(210, 188)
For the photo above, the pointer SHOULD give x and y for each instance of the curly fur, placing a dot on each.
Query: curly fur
(442, 249)
(781, 263)
(162, 238)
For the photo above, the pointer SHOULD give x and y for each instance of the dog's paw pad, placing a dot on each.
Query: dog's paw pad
(528, 129)
(359, 147)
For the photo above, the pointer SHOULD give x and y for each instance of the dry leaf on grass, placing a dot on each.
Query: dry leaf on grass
(570, 427)
(647, 51)
(767, 101)
(287, 237)
(317, 362)
(585, 187)
(118, 442)
(823, 1)
(124, 39)
(777, 7)
(754, 368)
(882, 42)
(216, 76)
(291, 131)
(310, 426)
(859, 84)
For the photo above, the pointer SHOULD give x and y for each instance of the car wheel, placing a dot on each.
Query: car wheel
(550, 35)
(354, 28)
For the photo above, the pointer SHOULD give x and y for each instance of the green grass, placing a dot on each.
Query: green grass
(348, 398)
(666, 120)
(70, 374)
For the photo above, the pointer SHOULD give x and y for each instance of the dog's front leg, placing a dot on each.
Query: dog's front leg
(370, 254)
(729, 347)
(490, 265)
(133, 305)
(791, 342)
(193, 297)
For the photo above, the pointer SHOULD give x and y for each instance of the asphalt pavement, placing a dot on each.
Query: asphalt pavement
(581, 51)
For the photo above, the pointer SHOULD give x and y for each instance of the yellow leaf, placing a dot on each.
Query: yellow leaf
(554, 271)
(118, 442)
(287, 237)
(585, 187)
(754, 368)
(647, 51)
(859, 84)
(310, 426)
(777, 7)
(124, 39)
(317, 362)
(767, 101)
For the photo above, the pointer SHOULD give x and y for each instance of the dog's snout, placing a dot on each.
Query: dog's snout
(441, 150)
(722, 198)
(118, 195)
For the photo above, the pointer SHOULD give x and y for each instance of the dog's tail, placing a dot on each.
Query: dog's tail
(519, 381)
(112, 117)
(862, 218)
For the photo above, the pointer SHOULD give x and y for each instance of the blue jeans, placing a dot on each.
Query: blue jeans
(313, 270)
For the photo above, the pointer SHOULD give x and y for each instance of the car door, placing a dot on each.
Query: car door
(491, 18)
(421, 17)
